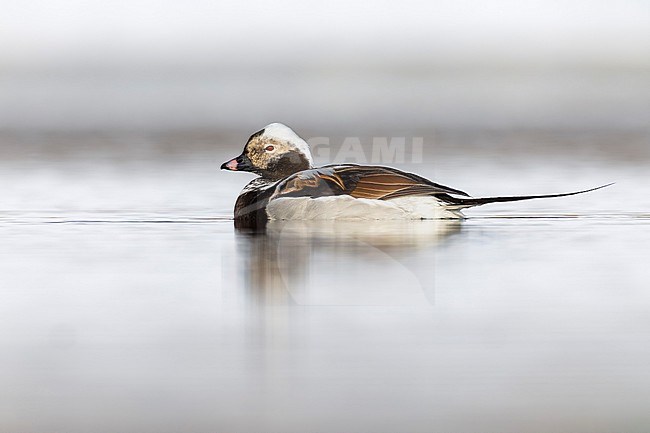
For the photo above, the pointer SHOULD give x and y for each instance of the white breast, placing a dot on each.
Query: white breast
(349, 208)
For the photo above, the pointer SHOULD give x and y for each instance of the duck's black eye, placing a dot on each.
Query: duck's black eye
(269, 148)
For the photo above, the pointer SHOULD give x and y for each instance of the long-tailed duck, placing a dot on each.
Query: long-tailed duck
(289, 187)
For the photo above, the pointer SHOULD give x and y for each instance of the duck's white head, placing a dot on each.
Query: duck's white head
(273, 152)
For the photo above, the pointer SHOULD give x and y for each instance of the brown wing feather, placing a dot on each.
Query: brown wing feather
(386, 186)
(371, 182)
(394, 182)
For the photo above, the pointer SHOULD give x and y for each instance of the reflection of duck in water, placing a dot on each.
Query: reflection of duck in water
(343, 262)
(388, 235)
(290, 188)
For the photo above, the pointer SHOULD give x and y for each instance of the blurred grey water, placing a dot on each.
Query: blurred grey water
(329, 93)
(129, 303)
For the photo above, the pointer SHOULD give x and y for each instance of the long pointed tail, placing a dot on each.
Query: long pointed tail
(463, 202)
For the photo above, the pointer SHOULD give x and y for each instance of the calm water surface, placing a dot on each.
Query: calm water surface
(128, 303)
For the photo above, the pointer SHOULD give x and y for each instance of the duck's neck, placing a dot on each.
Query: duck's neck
(286, 166)
(258, 183)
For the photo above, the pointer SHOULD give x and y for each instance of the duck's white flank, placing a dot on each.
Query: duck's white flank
(345, 207)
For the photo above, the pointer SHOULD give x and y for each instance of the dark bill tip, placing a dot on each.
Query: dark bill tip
(241, 163)
(231, 165)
